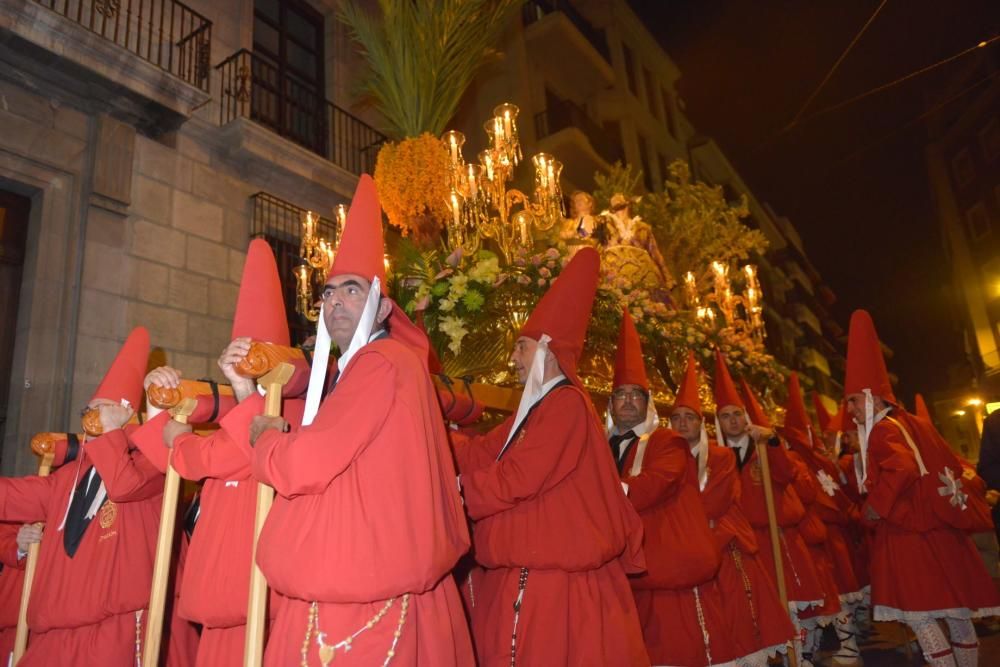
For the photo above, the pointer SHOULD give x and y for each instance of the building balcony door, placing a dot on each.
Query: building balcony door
(14, 211)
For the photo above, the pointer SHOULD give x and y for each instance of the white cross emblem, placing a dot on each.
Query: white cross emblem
(829, 486)
(952, 487)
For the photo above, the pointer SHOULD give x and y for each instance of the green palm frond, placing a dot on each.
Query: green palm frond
(422, 55)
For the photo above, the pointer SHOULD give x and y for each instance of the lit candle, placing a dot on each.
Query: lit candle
(524, 231)
(341, 215)
(551, 179)
(456, 209)
(506, 124)
(497, 133)
(310, 225)
(473, 185)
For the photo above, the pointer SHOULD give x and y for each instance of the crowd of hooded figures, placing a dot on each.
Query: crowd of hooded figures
(552, 539)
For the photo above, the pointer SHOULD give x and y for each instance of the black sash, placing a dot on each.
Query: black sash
(517, 431)
(615, 441)
(192, 515)
(76, 520)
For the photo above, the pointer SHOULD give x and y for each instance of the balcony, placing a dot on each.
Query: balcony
(567, 46)
(147, 60)
(253, 88)
(565, 129)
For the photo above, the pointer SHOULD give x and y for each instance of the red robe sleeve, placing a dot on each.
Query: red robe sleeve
(897, 468)
(8, 546)
(148, 438)
(781, 465)
(542, 455)
(214, 456)
(128, 476)
(662, 471)
(305, 462)
(479, 451)
(25, 499)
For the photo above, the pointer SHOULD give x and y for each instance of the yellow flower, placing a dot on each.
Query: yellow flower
(412, 179)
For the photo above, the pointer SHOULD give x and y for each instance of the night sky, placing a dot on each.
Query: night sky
(853, 181)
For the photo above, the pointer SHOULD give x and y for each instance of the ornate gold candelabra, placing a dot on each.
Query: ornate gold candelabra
(742, 312)
(317, 255)
(481, 203)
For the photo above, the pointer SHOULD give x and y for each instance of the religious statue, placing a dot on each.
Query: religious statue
(631, 244)
(583, 227)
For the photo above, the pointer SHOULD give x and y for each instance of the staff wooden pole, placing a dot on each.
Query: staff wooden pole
(253, 653)
(772, 525)
(164, 548)
(21, 634)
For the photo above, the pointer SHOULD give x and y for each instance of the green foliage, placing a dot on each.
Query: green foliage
(422, 55)
(693, 223)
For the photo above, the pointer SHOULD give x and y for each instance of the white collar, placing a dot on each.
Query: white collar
(535, 388)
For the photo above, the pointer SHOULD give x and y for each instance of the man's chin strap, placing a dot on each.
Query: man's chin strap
(532, 386)
(703, 457)
(321, 353)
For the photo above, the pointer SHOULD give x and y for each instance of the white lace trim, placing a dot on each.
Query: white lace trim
(847, 599)
(815, 622)
(883, 613)
(802, 605)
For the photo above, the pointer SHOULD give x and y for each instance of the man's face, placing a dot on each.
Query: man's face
(856, 406)
(344, 299)
(628, 406)
(733, 421)
(521, 357)
(849, 441)
(687, 423)
(581, 205)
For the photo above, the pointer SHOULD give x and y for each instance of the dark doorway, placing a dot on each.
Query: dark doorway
(14, 215)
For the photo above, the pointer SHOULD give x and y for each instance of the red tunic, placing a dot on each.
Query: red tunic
(553, 505)
(367, 510)
(801, 581)
(756, 620)
(11, 579)
(214, 591)
(920, 565)
(858, 533)
(816, 536)
(677, 599)
(90, 606)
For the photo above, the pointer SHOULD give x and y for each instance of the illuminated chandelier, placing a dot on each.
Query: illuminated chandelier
(480, 201)
(742, 312)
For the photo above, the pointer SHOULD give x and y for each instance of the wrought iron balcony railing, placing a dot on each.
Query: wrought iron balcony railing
(253, 87)
(165, 33)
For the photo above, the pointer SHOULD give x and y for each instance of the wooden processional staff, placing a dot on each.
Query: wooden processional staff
(21, 637)
(164, 547)
(253, 653)
(772, 525)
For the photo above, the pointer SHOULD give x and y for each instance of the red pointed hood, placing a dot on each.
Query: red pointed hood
(823, 415)
(865, 363)
(362, 247)
(797, 424)
(724, 389)
(630, 368)
(920, 408)
(124, 377)
(260, 307)
(563, 312)
(841, 422)
(687, 391)
(755, 412)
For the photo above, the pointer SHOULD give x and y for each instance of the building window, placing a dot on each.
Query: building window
(631, 71)
(647, 171)
(288, 37)
(963, 168)
(651, 93)
(989, 140)
(668, 113)
(979, 222)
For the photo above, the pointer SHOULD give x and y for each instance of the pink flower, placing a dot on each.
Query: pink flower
(541, 282)
(552, 253)
(544, 273)
(523, 280)
(536, 259)
(442, 274)
(454, 258)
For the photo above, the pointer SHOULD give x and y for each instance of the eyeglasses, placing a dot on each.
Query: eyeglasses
(622, 396)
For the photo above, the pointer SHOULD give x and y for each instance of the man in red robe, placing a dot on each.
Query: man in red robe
(216, 582)
(14, 541)
(96, 557)
(831, 506)
(553, 529)
(677, 598)
(367, 523)
(924, 567)
(755, 619)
